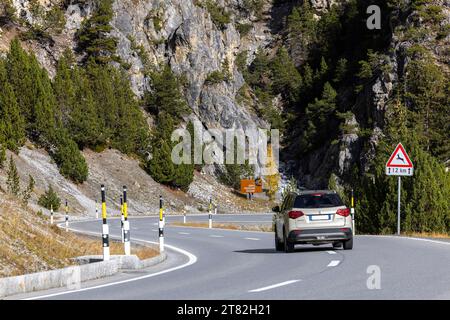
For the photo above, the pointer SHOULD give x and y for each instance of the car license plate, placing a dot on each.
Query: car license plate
(319, 217)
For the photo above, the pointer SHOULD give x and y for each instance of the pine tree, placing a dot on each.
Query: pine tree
(166, 95)
(50, 199)
(286, 78)
(70, 161)
(29, 190)
(2, 157)
(12, 124)
(160, 166)
(93, 36)
(13, 181)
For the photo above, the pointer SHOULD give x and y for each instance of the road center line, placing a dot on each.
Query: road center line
(255, 239)
(183, 233)
(215, 236)
(334, 263)
(274, 286)
(331, 252)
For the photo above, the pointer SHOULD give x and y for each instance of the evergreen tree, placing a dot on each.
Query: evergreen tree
(165, 94)
(29, 190)
(67, 156)
(13, 181)
(161, 167)
(286, 78)
(2, 157)
(12, 124)
(318, 115)
(130, 127)
(50, 199)
(75, 98)
(93, 36)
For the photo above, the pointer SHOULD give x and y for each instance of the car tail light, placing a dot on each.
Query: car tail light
(295, 214)
(343, 212)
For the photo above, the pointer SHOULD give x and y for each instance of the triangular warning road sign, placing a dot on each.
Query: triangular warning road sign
(399, 158)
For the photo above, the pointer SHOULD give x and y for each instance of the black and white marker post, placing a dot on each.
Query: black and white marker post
(210, 213)
(105, 229)
(352, 212)
(161, 225)
(121, 219)
(184, 217)
(67, 216)
(126, 223)
(96, 210)
(51, 214)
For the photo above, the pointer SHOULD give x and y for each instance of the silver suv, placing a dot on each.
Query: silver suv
(312, 217)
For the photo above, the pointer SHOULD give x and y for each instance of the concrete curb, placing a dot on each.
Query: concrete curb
(72, 276)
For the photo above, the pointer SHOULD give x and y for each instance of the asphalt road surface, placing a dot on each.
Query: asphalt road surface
(227, 264)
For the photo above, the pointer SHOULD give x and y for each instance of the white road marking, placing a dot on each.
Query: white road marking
(192, 260)
(331, 252)
(255, 239)
(183, 233)
(334, 263)
(154, 230)
(215, 236)
(274, 286)
(408, 238)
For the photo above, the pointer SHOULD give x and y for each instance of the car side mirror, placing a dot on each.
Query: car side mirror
(276, 209)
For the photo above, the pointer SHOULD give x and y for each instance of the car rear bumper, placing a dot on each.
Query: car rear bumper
(320, 235)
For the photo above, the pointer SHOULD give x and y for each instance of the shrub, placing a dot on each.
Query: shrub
(50, 200)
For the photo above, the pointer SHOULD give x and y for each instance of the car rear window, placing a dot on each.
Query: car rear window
(318, 200)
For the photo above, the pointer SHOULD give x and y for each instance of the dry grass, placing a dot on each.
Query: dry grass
(428, 235)
(230, 226)
(28, 244)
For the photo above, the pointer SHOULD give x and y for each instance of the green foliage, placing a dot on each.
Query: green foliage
(286, 78)
(255, 7)
(160, 166)
(13, 180)
(45, 22)
(165, 94)
(219, 15)
(235, 171)
(241, 61)
(318, 114)
(67, 156)
(7, 12)
(93, 36)
(12, 124)
(376, 193)
(2, 157)
(427, 92)
(50, 199)
(244, 28)
(219, 76)
(26, 195)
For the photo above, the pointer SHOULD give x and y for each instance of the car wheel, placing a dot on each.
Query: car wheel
(288, 246)
(348, 245)
(278, 245)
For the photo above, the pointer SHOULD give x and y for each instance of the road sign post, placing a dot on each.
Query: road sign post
(352, 212)
(121, 219)
(126, 223)
(67, 216)
(105, 228)
(161, 225)
(399, 165)
(210, 213)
